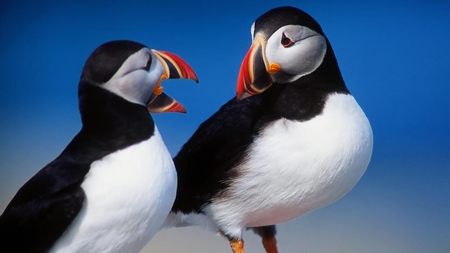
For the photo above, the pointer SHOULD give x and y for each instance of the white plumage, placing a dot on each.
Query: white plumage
(128, 195)
(293, 168)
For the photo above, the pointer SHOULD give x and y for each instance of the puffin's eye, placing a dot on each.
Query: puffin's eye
(285, 41)
(149, 62)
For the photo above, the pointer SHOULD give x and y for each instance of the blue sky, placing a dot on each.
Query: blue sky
(394, 56)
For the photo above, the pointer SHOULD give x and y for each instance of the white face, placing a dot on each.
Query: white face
(297, 49)
(252, 31)
(133, 81)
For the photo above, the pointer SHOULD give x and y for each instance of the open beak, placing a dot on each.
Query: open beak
(254, 75)
(174, 67)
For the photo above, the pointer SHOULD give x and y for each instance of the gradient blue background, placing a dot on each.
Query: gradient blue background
(394, 56)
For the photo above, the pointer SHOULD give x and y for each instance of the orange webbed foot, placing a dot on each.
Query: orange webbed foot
(237, 246)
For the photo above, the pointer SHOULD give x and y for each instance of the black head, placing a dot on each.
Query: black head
(288, 47)
(106, 60)
(134, 72)
(272, 20)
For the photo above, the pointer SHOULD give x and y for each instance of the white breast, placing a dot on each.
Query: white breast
(129, 194)
(296, 167)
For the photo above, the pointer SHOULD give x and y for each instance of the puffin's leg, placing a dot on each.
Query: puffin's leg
(267, 234)
(237, 246)
(236, 242)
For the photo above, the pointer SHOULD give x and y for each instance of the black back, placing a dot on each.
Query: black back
(206, 164)
(47, 204)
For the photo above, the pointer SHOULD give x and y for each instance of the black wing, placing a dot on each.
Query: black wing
(206, 161)
(48, 203)
(44, 206)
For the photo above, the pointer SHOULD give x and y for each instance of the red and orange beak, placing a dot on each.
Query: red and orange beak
(174, 68)
(254, 75)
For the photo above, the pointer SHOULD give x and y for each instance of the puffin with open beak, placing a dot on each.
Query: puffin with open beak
(112, 187)
(293, 140)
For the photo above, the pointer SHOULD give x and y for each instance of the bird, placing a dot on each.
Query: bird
(112, 187)
(293, 140)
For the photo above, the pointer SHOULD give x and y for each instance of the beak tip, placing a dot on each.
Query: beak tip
(177, 107)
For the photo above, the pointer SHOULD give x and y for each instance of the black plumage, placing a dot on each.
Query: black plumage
(207, 160)
(233, 169)
(47, 204)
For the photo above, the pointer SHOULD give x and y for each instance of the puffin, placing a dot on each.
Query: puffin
(293, 140)
(112, 187)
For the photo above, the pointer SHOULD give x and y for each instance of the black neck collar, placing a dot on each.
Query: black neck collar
(110, 123)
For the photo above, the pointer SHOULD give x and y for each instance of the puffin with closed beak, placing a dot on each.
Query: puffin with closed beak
(293, 140)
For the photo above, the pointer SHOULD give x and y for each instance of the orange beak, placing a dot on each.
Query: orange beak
(254, 77)
(174, 67)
